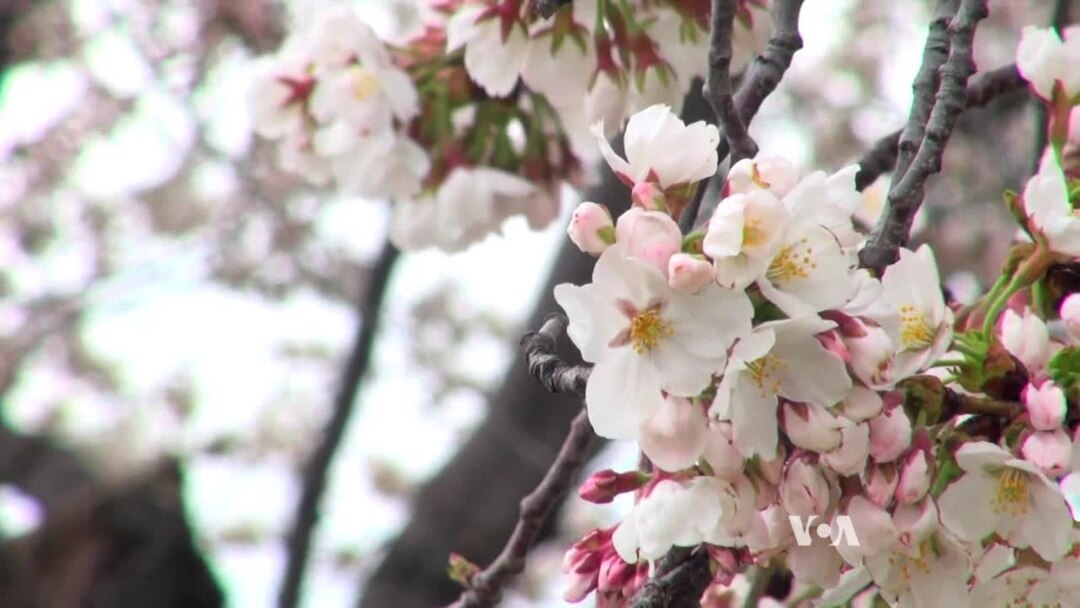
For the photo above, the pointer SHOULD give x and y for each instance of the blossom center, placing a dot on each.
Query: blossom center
(909, 566)
(648, 329)
(753, 234)
(915, 332)
(1013, 492)
(764, 372)
(794, 261)
(364, 82)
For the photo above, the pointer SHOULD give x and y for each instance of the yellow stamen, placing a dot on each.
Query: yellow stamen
(763, 372)
(915, 332)
(648, 329)
(753, 235)
(793, 262)
(1013, 492)
(364, 82)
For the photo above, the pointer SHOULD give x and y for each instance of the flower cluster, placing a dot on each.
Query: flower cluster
(864, 431)
(482, 115)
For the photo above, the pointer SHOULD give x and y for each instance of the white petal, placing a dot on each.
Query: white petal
(675, 436)
(966, 506)
(621, 394)
(1048, 526)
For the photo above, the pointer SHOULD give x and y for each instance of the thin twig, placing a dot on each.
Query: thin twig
(760, 80)
(907, 191)
(717, 90)
(681, 587)
(485, 588)
(315, 473)
(983, 88)
(555, 374)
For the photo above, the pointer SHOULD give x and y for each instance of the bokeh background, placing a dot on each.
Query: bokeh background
(176, 312)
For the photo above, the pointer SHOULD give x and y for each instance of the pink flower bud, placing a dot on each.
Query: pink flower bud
(1027, 338)
(890, 434)
(689, 273)
(811, 427)
(1049, 450)
(915, 476)
(881, 482)
(591, 228)
(871, 356)
(647, 196)
(850, 457)
(773, 470)
(603, 486)
(1070, 308)
(861, 404)
(1045, 405)
(650, 236)
(804, 490)
(720, 451)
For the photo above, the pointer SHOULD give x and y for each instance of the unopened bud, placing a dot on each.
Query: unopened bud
(1045, 405)
(915, 477)
(1051, 451)
(1070, 314)
(603, 486)
(689, 273)
(591, 228)
(804, 490)
(811, 427)
(881, 482)
(890, 434)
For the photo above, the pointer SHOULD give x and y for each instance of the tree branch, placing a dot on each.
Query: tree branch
(908, 189)
(553, 373)
(760, 80)
(485, 589)
(681, 587)
(983, 88)
(315, 473)
(718, 82)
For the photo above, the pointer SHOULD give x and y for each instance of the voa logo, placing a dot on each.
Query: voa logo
(844, 531)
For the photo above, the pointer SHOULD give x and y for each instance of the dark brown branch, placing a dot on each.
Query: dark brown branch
(760, 80)
(718, 82)
(983, 88)
(485, 589)
(956, 403)
(681, 587)
(555, 374)
(908, 189)
(315, 473)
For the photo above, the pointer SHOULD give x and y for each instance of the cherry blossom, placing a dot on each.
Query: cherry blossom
(661, 148)
(1015, 500)
(645, 338)
(779, 359)
(1046, 201)
(912, 286)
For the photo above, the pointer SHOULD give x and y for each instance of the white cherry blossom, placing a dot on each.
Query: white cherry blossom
(911, 285)
(1012, 497)
(673, 514)
(661, 148)
(644, 338)
(779, 359)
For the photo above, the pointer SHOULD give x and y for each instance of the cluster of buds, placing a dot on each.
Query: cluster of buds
(797, 409)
